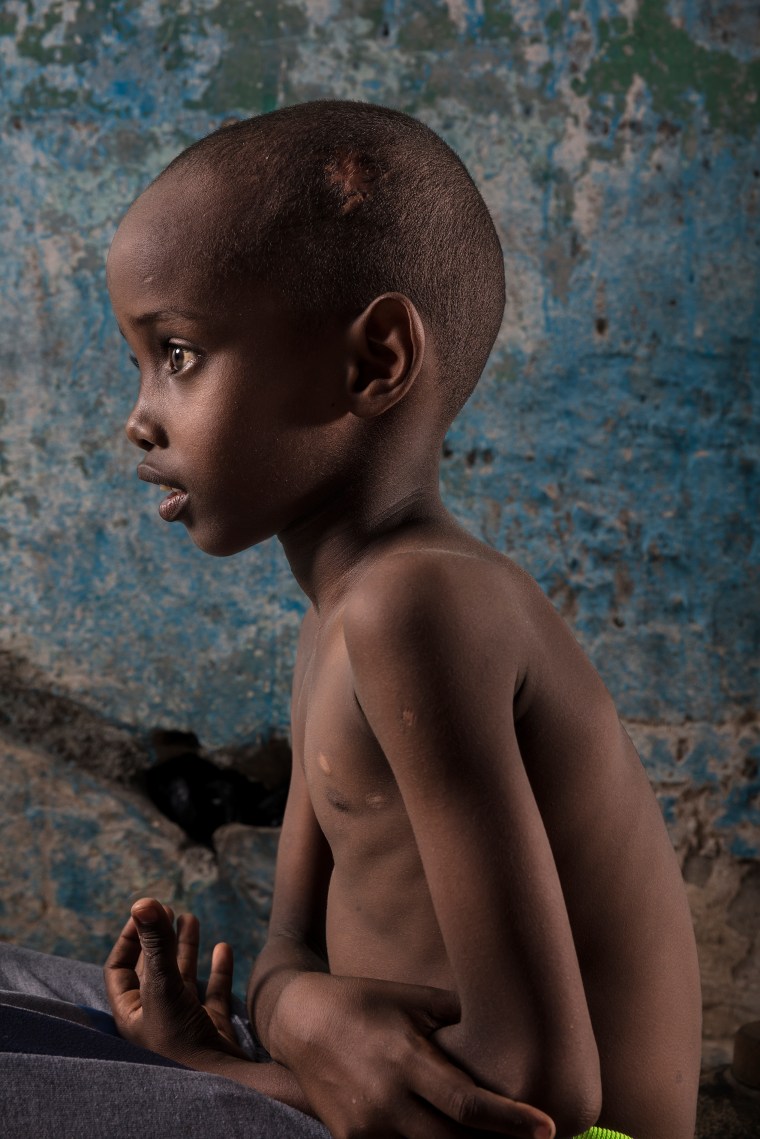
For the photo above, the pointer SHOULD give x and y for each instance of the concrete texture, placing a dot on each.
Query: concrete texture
(76, 853)
(725, 1111)
(611, 447)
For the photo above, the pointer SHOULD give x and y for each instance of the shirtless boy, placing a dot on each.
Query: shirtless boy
(475, 888)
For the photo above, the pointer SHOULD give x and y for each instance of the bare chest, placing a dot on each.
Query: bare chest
(351, 785)
(380, 920)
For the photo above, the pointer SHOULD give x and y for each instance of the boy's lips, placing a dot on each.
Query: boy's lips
(170, 507)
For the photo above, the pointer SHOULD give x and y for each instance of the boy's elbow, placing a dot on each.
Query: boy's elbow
(572, 1094)
(560, 1076)
(574, 1112)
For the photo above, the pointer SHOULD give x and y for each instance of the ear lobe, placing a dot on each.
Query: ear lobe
(387, 344)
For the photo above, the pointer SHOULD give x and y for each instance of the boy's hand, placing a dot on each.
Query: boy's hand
(361, 1052)
(151, 982)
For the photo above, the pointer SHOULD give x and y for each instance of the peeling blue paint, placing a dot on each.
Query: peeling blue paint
(741, 848)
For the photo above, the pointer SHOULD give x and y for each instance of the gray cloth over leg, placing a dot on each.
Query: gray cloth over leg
(62, 1079)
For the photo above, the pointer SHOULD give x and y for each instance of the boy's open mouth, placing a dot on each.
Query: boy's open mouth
(170, 507)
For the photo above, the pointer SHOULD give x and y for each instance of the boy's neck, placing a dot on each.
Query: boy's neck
(327, 549)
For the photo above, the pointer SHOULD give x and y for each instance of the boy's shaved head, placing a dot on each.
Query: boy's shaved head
(334, 203)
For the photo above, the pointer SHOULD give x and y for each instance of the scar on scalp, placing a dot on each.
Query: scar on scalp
(354, 176)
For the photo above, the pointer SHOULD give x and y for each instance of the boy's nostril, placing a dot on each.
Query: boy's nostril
(141, 432)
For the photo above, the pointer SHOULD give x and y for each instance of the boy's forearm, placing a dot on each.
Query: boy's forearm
(271, 1079)
(281, 961)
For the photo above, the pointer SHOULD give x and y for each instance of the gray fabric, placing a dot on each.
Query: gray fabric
(48, 1005)
(43, 975)
(114, 1090)
(34, 1033)
(64, 1097)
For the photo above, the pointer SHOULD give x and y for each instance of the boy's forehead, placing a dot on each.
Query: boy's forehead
(168, 210)
(164, 259)
(161, 241)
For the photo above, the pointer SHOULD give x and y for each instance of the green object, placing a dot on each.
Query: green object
(602, 1133)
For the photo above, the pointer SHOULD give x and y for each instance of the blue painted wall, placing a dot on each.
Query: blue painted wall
(611, 446)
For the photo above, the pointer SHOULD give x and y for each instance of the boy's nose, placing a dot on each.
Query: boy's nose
(143, 431)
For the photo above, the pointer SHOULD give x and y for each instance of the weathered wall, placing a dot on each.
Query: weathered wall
(609, 448)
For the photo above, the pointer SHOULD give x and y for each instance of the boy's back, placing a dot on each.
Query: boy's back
(433, 633)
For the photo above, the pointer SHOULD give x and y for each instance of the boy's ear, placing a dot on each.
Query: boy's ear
(386, 349)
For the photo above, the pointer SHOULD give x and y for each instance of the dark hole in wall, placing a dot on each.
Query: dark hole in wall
(241, 783)
(201, 795)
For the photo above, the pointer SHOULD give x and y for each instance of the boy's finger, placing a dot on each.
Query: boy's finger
(219, 987)
(119, 970)
(158, 943)
(188, 937)
(430, 1007)
(449, 1089)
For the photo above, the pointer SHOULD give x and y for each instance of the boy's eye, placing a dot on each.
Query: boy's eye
(133, 360)
(179, 357)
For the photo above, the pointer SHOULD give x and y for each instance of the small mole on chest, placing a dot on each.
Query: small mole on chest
(324, 763)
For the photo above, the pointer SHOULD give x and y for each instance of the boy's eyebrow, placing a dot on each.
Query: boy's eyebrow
(162, 314)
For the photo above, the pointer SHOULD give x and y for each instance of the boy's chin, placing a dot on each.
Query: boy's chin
(222, 544)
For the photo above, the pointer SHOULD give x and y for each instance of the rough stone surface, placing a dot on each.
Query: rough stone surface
(77, 852)
(725, 1112)
(725, 907)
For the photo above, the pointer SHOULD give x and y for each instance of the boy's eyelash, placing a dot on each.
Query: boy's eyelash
(167, 348)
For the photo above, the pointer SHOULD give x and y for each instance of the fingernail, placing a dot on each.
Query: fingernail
(146, 914)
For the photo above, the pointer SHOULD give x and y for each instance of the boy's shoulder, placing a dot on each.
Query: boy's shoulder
(471, 617)
(443, 598)
(437, 576)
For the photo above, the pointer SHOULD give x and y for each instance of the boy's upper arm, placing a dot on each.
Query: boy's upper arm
(435, 670)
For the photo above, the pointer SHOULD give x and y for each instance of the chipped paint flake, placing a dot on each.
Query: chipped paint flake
(466, 15)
